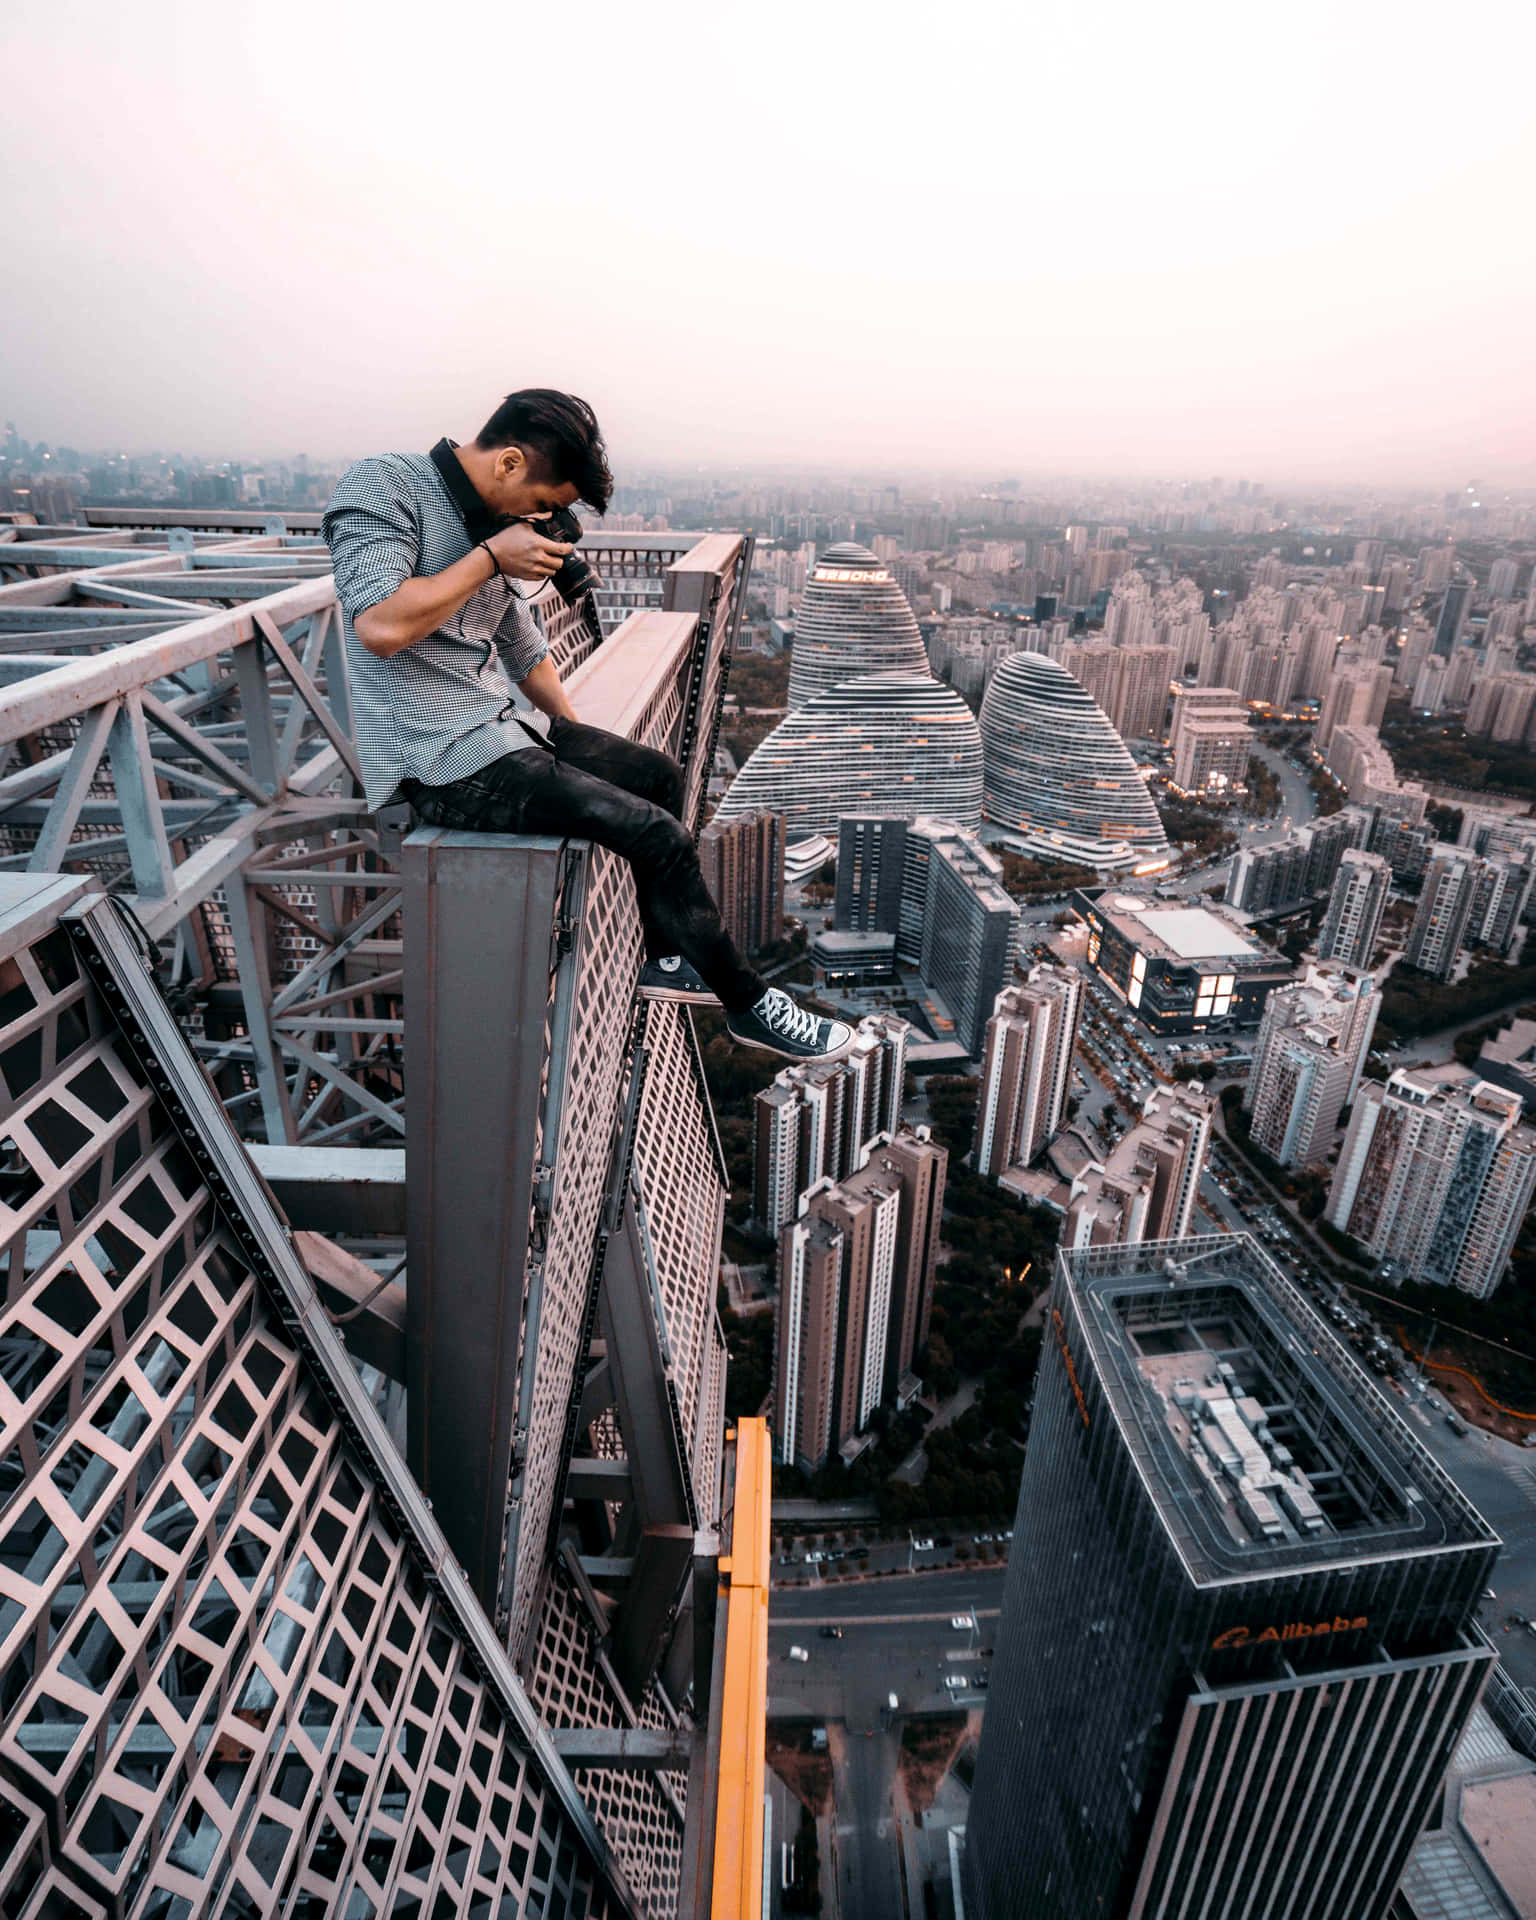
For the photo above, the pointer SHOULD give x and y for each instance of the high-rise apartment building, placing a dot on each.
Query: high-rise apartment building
(743, 863)
(1288, 873)
(1356, 902)
(1026, 1074)
(820, 1120)
(1210, 740)
(856, 1269)
(1435, 1175)
(1444, 912)
(1146, 1189)
(1238, 1640)
(1307, 1061)
(1502, 576)
(1355, 697)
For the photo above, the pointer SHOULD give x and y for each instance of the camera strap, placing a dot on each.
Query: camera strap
(478, 520)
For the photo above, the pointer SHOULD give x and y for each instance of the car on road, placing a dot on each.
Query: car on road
(1456, 1424)
(955, 1682)
(922, 1546)
(831, 1633)
(963, 1623)
(798, 1653)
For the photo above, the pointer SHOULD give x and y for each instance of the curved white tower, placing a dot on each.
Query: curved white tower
(1058, 779)
(889, 743)
(852, 620)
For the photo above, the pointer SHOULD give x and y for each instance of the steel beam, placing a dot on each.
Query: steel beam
(643, 1749)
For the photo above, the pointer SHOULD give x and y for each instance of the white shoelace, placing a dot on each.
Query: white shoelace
(784, 1017)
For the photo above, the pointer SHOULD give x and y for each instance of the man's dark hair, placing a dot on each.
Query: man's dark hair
(563, 431)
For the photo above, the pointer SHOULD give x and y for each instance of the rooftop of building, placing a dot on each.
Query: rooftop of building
(1265, 1446)
(1181, 933)
(1515, 1046)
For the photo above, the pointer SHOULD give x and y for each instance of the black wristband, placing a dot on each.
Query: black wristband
(495, 563)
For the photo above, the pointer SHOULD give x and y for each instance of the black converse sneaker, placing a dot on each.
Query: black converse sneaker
(674, 979)
(777, 1024)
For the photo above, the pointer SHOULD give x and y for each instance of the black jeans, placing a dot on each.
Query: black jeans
(592, 785)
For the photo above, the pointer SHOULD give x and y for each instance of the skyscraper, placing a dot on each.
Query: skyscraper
(1435, 1175)
(1147, 1187)
(856, 1271)
(970, 928)
(1355, 905)
(1058, 779)
(1355, 697)
(820, 1120)
(1238, 1638)
(1453, 616)
(1026, 1074)
(891, 743)
(743, 863)
(1307, 1061)
(853, 619)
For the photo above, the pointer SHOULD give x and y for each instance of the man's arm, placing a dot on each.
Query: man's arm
(420, 605)
(543, 688)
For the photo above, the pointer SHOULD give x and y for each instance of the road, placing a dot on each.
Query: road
(896, 1639)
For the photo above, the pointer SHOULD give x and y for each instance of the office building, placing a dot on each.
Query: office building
(856, 1269)
(743, 863)
(1026, 1076)
(1444, 912)
(1238, 1640)
(893, 743)
(939, 891)
(970, 929)
(1356, 902)
(1179, 969)
(820, 1120)
(1435, 1175)
(1210, 742)
(853, 620)
(1308, 1057)
(1059, 780)
(1147, 1187)
(1453, 616)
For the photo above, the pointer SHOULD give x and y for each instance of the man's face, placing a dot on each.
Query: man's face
(521, 486)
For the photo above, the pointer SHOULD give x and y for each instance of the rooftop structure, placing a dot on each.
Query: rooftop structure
(201, 761)
(853, 619)
(1180, 969)
(1226, 1537)
(1508, 1060)
(891, 743)
(1059, 781)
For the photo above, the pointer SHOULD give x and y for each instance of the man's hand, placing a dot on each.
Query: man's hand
(522, 551)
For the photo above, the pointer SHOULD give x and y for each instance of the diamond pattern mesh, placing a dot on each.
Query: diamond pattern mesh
(227, 1684)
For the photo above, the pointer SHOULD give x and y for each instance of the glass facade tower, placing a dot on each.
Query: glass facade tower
(1237, 1645)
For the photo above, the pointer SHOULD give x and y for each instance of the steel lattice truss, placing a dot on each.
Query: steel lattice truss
(176, 725)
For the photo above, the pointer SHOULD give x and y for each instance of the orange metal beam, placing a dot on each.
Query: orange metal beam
(738, 1867)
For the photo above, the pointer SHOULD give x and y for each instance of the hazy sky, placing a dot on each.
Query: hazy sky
(1288, 242)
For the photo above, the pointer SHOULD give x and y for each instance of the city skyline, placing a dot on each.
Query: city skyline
(1220, 277)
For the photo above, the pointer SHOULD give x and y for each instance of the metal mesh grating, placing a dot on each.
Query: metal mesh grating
(227, 1682)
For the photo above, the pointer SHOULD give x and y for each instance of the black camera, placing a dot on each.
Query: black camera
(575, 578)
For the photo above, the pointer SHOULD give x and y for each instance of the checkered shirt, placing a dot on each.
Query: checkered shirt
(442, 708)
